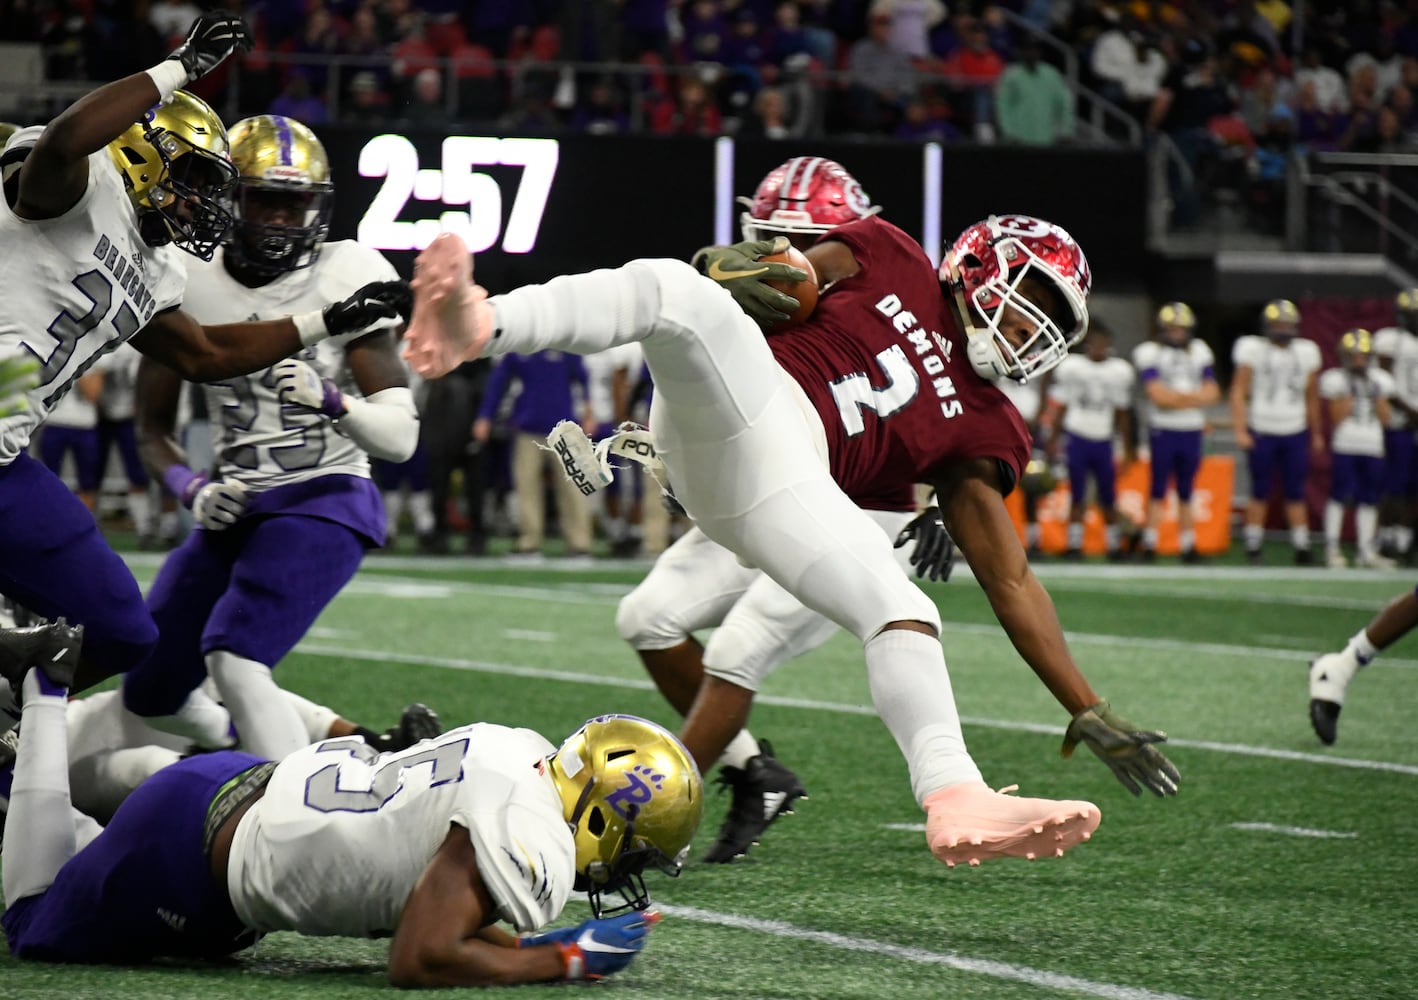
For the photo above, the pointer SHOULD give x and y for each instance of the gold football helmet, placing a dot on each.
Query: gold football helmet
(633, 798)
(284, 195)
(1280, 319)
(1356, 347)
(1175, 323)
(176, 164)
(1407, 305)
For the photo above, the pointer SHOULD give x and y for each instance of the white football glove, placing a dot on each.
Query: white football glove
(298, 384)
(217, 506)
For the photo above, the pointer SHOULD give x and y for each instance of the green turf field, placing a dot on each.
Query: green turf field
(1283, 869)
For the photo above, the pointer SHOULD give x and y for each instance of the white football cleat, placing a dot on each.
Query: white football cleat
(1330, 675)
(1336, 560)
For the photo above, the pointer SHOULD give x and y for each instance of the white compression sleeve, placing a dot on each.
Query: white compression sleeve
(386, 424)
(580, 313)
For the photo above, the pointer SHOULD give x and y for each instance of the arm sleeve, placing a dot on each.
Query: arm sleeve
(386, 424)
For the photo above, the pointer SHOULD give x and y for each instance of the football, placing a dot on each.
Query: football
(804, 291)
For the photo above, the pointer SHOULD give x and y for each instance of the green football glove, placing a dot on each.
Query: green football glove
(19, 373)
(744, 276)
(1125, 748)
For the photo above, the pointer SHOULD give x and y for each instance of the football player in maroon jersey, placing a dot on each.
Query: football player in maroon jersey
(891, 379)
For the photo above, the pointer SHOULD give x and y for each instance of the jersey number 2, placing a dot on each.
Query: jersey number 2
(855, 393)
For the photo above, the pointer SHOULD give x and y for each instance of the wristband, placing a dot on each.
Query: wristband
(168, 76)
(183, 483)
(573, 960)
(311, 327)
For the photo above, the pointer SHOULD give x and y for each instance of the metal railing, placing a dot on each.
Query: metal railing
(1355, 202)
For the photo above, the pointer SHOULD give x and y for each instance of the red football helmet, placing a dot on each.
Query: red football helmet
(984, 268)
(809, 195)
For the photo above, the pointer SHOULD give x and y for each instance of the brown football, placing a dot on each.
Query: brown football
(804, 291)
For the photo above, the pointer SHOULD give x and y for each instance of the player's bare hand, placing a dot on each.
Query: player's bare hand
(737, 268)
(1127, 749)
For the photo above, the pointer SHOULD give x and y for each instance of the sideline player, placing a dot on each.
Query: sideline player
(1357, 393)
(1094, 390)
(740, 426)
(291, 509)
(698, 584)
(1178, 377)
(1275, 410)
(1331, 673)
(430, 846)
(1397, 350)
(89, 258)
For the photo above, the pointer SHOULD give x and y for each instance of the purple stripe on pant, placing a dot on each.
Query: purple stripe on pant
(143, 888)
(54, 561)
(1355, 478)
(1287, 454)
(1095, 458)
(1175, 454)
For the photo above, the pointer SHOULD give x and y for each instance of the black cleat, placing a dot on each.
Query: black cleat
(1324, 716)
(1255, 557)
(1304, 557)
(1147, 554)
(1073, 555)
(763, 790)
(1192, 557)
(53, 648)
(417, 722)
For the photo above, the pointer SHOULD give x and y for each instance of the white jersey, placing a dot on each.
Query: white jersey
(1279, 374)
(600, 377)
(259, 442)
(1024, 396)
(1181, 368)
(1401, 348)
(341, 835)
(76, 286)
(1092, 392)
(73, 410)
(1360, 433)
(120, 375)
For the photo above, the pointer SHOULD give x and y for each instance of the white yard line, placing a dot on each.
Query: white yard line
(530, 635)
(644, 684)
(961, 963)
(1295, 831)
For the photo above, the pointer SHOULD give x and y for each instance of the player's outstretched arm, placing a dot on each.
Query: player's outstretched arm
(973, 506)
(56, 173)
(210, 353)
(443, 937)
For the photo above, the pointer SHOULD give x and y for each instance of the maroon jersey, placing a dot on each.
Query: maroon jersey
(883, 360)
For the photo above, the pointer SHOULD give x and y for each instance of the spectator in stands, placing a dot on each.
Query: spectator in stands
(172, 18)
(1400, 100)
(705, 31)
(745, 53)
(363, 38)
(975, 67)
(1329, 86)
(553, 389)
(644, 25)
(770, 116)
(911, 23)
(1192, 95)
(1033, 104)
(500, 25)
(694, 113)
(296, 101)
(319, 39)
(810, 20)
(602, 111)
(426, 105)
(882, 79)
(531, 114)
(927, 121)
(1129, 68)
(1315, 128)
(368, 100)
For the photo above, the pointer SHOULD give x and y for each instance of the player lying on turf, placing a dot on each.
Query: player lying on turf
(738, 420)
(431, 846)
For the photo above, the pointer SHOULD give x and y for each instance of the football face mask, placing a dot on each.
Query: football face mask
(284, 197)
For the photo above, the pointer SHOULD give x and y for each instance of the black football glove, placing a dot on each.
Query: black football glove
(375, 301)
(934, 554)
(744, 276)
(211, 39)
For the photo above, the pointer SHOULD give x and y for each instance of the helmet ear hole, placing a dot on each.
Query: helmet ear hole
(596, 822)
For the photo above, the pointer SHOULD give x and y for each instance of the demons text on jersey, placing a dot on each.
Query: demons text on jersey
(931, 349)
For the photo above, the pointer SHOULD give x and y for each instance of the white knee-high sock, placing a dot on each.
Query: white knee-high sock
(421, 512)
(39, 825)
(1366, 527)
(741, 749)
(393, 508)
(200, 719)
(266, 723)
(580, 313)
(910, 688)
(1333, 522)
(315, 718)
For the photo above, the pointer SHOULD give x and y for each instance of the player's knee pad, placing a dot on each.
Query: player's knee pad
(647, 622)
